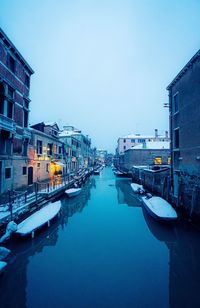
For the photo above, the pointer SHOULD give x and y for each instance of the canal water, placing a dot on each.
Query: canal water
(104, 251)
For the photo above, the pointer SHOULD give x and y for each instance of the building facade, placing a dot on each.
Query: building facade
(46, 153)
(184, 109)
(15, 74)
(78, 148)
(128, 141)
(146, 154)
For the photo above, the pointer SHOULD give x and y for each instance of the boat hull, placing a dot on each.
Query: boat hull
(38, 219)
(167, 214)
(73, 192)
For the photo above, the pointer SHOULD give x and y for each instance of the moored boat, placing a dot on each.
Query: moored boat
(159, 208)
(38, 219)
(96, 172)
(137, 188)
(72, 192)
(118, 173)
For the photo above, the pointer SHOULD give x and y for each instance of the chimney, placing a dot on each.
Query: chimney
(166, 134)
(156, 133)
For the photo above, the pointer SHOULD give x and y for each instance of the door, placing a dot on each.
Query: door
(30, 175)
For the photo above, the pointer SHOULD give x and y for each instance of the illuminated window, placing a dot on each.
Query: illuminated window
(158, 160)
(169, 160)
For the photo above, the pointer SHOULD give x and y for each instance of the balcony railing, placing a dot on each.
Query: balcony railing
(7, 124)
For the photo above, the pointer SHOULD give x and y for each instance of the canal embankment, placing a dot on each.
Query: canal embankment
(21, 204)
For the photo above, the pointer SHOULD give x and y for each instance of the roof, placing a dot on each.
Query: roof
(67, 133)
(15, 51)
(152, 145)
(184, 69)
(136, 136)
(51, 124)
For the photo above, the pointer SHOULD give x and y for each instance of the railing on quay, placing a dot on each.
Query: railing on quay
(17, 202)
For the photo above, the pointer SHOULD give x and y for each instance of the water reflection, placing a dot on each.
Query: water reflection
(125, 193)
(13, 284)
(183, 242)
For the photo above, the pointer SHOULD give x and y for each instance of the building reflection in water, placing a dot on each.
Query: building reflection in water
(183, 242)
(13, 283)
(125, 194)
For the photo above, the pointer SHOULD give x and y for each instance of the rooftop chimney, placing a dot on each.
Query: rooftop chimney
(166, 134)
(156, 133)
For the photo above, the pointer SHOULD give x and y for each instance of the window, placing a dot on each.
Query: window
(9, 109)
(24, 170)
(47, 168)
(10, 92)
(132, 140)
(11, 63)
(59, 150)
(54, 133)
(124, 147)
(39, 147)
(169, 160)
(7, 173)
(27, 80)
(176, 103)
(38, 165)
(49, 149)
(158, 160)
(141, 140)
(124, 140)
(176, 138)
(25, 118)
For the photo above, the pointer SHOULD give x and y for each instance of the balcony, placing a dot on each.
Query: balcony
(7, 124)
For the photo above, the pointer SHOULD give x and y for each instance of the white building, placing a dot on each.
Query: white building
(127, 142)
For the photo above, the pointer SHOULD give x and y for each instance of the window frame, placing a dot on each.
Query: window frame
(10, 173)
(24, 168)
(175, 141)
(176, 104)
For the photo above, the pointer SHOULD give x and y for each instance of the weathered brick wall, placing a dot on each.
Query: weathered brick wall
(144, 157)
(186, 160)
(157, 182)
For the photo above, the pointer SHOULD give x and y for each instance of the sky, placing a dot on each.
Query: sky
(103, 66)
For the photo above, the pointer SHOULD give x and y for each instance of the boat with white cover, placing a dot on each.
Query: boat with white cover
(118, 173)
(38, 219)
(72, 192)
(137, 188)
(159, 208)
(2, 266)
(97, 172)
